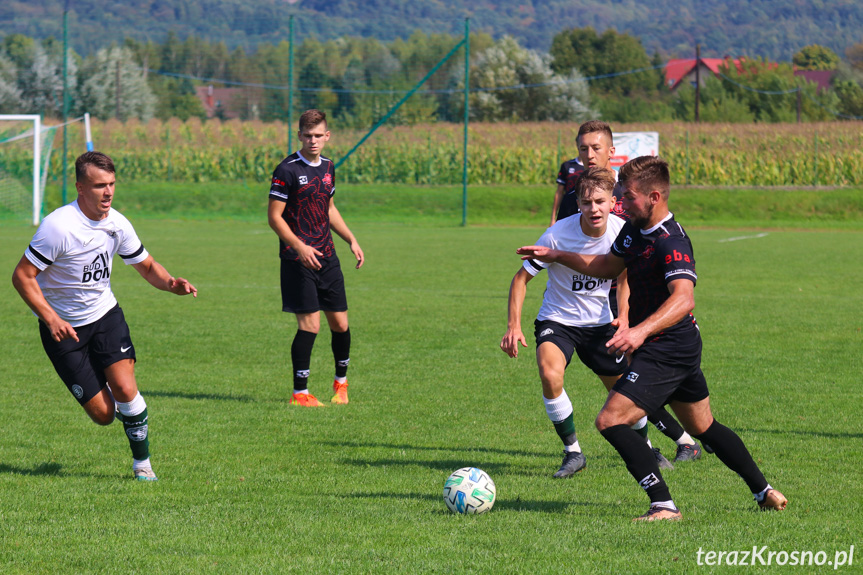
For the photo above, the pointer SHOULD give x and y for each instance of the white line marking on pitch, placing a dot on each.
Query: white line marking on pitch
(761, 235)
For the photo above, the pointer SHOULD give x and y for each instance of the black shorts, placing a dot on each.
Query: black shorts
(308, 291)
(664, 370)
(81, 364)
(587, 342)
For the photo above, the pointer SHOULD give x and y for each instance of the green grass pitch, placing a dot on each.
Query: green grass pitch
(249, 484)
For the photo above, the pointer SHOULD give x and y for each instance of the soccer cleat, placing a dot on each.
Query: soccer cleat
(305, 400)
(773, 500)
(656, 513)
(341, 392)
(145, 474)
(573, 462)
(688, 452)
(661, 460)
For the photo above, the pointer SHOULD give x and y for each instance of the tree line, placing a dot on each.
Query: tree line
(357, 80)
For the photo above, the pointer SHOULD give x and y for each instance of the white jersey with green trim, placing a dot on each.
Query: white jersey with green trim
(572, 298)
(74, 255)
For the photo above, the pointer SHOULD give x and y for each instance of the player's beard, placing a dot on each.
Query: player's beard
(642, 220)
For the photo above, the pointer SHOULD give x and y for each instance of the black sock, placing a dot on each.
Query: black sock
(639, 460)
(666, 423)
(301, 358)
(731, 451)
(341, 345)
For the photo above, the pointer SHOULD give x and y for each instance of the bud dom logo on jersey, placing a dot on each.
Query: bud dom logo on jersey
(97, 270)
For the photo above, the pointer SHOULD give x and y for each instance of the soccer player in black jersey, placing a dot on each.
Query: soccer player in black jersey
(662, 339)
(302, 212)
(595, 148)
(595, 142)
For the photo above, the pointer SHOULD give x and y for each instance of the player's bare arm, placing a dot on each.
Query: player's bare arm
(24, 280)
(338, 225)
(607, 266)
(514, 335)
(558, 197)
(156, 274)
(622, 319)
(675, 308)
(307, 254)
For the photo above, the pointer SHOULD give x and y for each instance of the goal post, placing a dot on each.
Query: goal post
(17, 129)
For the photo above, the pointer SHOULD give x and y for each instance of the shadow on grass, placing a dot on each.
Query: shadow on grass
(448, 448)
(515, 505)
(443, 465)
(814, 434)
(41, 469)
(198, 396)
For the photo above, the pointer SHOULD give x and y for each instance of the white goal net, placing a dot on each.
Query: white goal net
(25, 151)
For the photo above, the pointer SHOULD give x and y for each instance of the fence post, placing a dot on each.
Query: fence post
(558, 151)
(466, 116)
(290, 84)
(687, 158)
(168, 151)
(815, 183)
(65, 97)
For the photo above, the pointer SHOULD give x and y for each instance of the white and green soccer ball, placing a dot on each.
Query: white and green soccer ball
(469, 490)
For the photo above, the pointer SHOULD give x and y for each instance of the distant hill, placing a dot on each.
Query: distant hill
(771, 28)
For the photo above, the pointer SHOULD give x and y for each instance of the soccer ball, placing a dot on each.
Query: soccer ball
(469, 490)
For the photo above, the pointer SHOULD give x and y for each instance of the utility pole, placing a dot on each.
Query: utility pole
(697, 82)
(799, 104)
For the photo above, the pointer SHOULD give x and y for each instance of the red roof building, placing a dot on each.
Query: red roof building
(820, 77)
(223, 102)
(680, 71)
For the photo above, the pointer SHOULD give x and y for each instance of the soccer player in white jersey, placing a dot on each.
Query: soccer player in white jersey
(575, 316)
(65, 278)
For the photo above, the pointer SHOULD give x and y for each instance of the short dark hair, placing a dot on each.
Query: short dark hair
(97, 159)
(592, 126)
(311, 118)
(595, 178)
(647, 173)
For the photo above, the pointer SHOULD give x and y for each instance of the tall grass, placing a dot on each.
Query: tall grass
(825, 154)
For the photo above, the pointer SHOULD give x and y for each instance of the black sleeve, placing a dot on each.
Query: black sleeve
(677, 259)
(281, 183)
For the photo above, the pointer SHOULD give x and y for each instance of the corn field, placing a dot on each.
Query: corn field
(825, 154)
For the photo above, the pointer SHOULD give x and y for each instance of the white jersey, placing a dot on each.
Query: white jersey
(74, 255)
(572, 298)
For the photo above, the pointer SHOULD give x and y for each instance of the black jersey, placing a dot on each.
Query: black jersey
(617, 210)
(653, 259)
(306, 191)
(567, 177)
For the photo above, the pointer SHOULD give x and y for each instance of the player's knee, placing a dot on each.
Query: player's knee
(603, 421)
(102, 417)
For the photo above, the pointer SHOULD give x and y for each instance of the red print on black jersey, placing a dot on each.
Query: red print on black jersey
(652, 261)
(306, 191)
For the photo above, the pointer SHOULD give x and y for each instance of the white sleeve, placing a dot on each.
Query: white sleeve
(47, 244)
(131, 250)
(533, 267)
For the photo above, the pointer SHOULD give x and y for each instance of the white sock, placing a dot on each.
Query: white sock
(664, 504)
(574, 447)
(685, 439)
(297, 391)
(134, 407)
(341, 379)
(640, 423)
(650, 445)
(558, 408)
(759, 497)
(145, 464)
